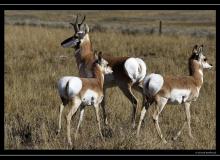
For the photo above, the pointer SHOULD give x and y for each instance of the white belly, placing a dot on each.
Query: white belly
(178, 96)
(90, 97)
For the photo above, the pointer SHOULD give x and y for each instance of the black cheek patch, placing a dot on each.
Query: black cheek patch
(195, 56)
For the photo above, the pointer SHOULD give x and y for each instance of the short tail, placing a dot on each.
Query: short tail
(142, 69)
(67, 89)
(152, 84)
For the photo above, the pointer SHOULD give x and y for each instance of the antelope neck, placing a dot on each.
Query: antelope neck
(98, 75)
(84, 54)
(196, 72)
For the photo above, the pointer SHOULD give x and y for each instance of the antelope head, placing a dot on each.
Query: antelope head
(80, 32)
(198, 55)
(103, 64)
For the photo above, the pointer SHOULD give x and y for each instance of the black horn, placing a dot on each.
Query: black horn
(75, 25)
(76, 22)
(82, 21)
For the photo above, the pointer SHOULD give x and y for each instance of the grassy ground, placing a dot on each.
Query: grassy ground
(33, 65)
(177, 22)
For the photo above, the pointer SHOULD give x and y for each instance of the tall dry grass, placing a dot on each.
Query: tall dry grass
(33, 65)
(174, 22)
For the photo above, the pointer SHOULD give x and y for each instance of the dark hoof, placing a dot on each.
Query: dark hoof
(57, 132)
(174, 138)
(107, 132)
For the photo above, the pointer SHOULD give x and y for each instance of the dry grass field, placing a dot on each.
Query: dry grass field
(33, 65)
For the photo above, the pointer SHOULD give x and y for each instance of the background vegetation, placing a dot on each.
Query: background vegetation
(34, 61)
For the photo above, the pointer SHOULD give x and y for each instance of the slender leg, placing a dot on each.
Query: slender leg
(60, 116)
(103, 108)
(146, 105)
(128, 93)
(98, 119)
(187, 111)
(80, 120)
(180, 131)
(76, 104)
(143, 111)
(188, 117)
(160, 103)
(64, 103)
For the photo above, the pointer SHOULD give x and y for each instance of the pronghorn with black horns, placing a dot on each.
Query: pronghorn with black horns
(175, 90)
(128, 72)
(83, 92)
(80, 41)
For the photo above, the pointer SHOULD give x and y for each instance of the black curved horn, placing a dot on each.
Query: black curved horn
(75, 26)
(82, 21)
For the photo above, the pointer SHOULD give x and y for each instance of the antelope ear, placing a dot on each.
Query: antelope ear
(96, 56)
(201, 48)
(195, 49)
(86, 28)
(100, 56)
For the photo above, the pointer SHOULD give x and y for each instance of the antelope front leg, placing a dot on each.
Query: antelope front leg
(187, 110)
(80, 121)
(178, 134)
(103, 108)
(188, 117)
(98, 119)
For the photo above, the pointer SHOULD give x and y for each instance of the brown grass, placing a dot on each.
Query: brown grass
(33, 66)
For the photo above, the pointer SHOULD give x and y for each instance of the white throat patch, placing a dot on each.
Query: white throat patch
(85, 39)
(201, 73)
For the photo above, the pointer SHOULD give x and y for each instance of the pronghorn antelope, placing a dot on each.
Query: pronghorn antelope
(127, 71)
(83, 92)
(175, 90)
(83, 48)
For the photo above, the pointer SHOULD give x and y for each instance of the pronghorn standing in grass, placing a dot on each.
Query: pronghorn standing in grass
(175, 90)
(83, 92)
(127, 71)
(80, 41)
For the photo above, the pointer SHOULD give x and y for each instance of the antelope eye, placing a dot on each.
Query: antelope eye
(76, 36)
(205, 59)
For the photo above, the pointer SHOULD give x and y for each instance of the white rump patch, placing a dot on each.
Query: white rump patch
(152, 84)
(75, 85)
(90, 97)
(179, 96)
(136, 69)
